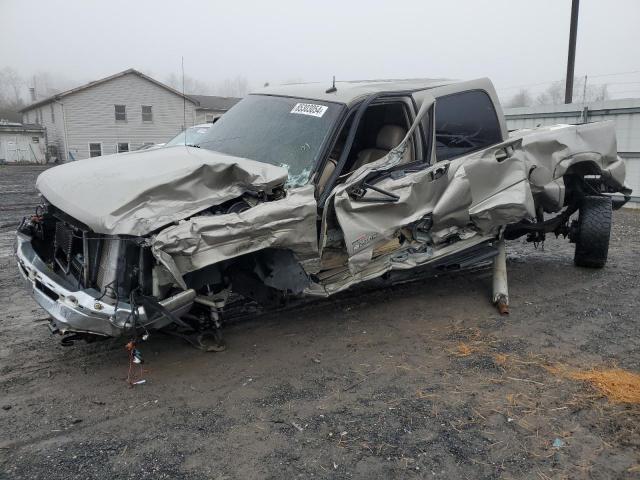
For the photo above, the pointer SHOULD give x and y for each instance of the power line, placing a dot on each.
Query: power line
(622, 83)
(625, 91)
(611, 74)
(560, 81)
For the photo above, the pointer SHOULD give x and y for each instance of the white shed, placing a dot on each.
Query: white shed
(21, 143)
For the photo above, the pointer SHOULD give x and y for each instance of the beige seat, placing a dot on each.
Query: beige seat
(388, 137)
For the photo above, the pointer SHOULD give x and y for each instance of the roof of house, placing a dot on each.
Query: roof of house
(15, 127)
(9, 114)
(103, 80)
(211, 102)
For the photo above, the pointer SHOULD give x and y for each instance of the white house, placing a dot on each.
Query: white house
(115, 114)
(210, 107)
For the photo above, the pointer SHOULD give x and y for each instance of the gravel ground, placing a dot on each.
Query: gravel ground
(421, 380)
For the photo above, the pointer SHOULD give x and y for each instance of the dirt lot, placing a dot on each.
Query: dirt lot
(420, 380)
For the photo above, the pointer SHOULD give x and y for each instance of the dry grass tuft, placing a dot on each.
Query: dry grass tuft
(618, 385)
(464, 350)
(500, 359)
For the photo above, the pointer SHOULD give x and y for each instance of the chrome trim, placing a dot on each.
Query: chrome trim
(75, 310)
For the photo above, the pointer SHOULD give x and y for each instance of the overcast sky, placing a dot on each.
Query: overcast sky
(514, 42)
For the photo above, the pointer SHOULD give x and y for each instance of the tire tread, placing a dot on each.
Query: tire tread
(594, 231)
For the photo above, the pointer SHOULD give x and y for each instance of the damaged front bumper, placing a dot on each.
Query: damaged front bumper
(83, 311)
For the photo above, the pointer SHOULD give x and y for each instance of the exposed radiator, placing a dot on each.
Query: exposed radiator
(63, 245)
(112, 251)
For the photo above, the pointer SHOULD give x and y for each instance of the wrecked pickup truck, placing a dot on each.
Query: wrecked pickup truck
(301, 191)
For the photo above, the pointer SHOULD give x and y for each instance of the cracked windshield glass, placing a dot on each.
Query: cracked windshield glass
(282, 131)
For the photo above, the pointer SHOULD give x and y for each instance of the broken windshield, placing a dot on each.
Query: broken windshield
(282, 131)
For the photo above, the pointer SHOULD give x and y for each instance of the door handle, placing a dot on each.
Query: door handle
(501, 155)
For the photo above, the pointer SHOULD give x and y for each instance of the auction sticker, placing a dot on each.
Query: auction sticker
(309, 109)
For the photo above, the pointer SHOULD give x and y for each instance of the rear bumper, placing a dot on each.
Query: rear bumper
(74, 310)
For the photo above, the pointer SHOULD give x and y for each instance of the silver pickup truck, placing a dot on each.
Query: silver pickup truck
(304, 190)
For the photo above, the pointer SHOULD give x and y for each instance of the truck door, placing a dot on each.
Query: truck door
(470, 187)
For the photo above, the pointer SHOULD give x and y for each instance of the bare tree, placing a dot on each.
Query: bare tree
(554, 94)
(191, 85)
(47, 84)
(11, 86)
(229, 87)
(236, 87)
(520, 99)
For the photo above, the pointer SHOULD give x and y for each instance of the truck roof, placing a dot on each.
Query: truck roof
(348, 92)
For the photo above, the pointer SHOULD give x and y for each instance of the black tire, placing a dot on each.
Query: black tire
(592, 234)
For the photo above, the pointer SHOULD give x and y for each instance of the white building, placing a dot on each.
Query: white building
(210, 108)
(21, 143)
(115, 114)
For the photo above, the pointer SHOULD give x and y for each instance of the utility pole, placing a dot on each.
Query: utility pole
(184, 103)
(573, 33)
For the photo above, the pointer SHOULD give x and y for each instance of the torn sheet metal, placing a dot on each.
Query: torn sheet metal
(405, 259)
(136, 193)
(205, 240)
(483, 190)
(552, 150)
(457, 194)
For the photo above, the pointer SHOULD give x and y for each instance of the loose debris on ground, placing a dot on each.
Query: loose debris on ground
(422, 380)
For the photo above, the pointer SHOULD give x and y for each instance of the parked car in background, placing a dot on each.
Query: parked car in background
(149, 146)
(191, 136)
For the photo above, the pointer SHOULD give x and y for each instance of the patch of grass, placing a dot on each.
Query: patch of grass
(618, 385)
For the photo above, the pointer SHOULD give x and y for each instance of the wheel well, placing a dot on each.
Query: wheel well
(263, 276)
(582, 179)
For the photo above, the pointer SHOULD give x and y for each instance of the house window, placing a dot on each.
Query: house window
(53, 114)
(123, 147)
(208, 117)
(95, 149)
(121, 112)
(147, 113)
(465, 122)
(35, 139)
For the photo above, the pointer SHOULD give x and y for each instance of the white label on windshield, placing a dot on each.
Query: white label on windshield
(309, 109)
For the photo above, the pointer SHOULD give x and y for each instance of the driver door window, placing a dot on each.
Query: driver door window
(382, 127)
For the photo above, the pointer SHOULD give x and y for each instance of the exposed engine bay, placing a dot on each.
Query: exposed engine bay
(122, 273)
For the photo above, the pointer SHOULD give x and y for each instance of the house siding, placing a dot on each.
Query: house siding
(89, 117)
(201, 115)
(54, 130)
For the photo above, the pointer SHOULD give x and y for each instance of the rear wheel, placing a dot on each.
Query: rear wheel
(591, 232)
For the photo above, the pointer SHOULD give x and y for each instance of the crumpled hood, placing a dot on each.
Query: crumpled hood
(138, 192)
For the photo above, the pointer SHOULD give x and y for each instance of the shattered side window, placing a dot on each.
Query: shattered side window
(465, 122)
(282, 131)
